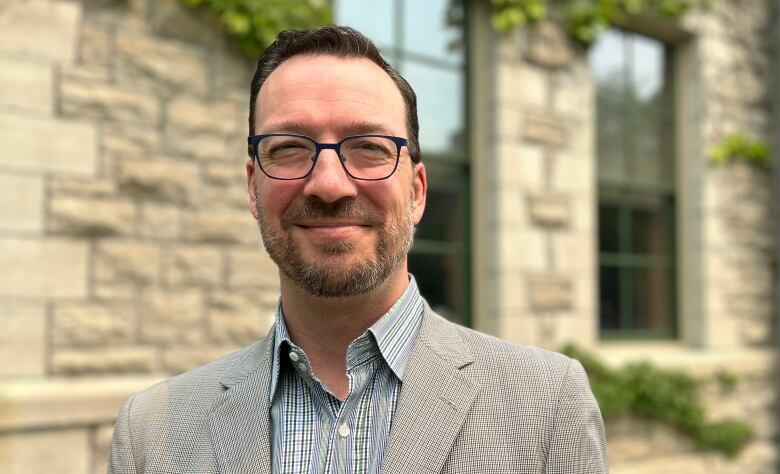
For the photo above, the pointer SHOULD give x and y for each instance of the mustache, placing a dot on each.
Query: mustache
(315, 208)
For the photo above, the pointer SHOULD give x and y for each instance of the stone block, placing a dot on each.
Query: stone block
(548, 45)
(26, 86)
(252, 269)
(166, 181)
(23, 339)
(227, 175)
(85, 98)
(21, 203)
(238, 319)
(123, 141)
(96, 43)
(47, 146)
(545, 128)
(127, 262)
(104, 360)
(39, 29)
(199, 117)
(172, 316)
(43, 268)
(62, 451)
(521, 249)
(165, 66)
(160, 221)
(94, 323)
(101, 442)
(203, 147)
(178, 359)
(522, 84)
(80, 187)
(172, 19)
(91, 216)
(197, 266)
(550, 293)
(221, 226)
(549, 210)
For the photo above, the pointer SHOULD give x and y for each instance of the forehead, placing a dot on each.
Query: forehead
(322, 92)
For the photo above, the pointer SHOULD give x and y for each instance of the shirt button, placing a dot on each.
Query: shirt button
(294, 357)
(343, 430)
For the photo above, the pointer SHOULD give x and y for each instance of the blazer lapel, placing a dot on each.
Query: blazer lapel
(435, 399)
(239, 421)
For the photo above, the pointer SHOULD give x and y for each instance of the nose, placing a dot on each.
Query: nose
(329, 180)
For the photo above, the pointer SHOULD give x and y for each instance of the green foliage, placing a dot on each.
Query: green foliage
(585, 19)
(739, 147)
(255, 23)
(646, 391)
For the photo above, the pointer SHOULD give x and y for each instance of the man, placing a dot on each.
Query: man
(357, 374)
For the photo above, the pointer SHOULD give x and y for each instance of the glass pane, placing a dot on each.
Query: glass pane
(647, 68)
(609, 298)
(652, 299)
(427, 30)
(611, 134)
(439, 107)
(609, 228)
(440, 278)
(651, 227)
(607, 59)
(444, 218)
(374, 19)
(648, 148)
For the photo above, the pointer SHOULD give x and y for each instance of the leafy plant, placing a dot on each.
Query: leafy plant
(585, 19)
(255, 23)
(646, 391)
(737, 146)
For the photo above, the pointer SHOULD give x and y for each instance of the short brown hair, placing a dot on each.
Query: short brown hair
(340, 41)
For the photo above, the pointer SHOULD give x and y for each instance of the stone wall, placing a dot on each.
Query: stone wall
(128, 252)
(126, 242)
(535, 169)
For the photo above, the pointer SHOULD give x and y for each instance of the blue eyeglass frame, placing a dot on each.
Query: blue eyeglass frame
(255, 140)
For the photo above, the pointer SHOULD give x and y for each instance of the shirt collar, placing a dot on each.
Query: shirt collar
(395, 333)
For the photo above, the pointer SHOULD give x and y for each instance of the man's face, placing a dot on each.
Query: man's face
(330, 234)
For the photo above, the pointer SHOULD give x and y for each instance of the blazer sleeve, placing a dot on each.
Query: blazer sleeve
(578, 444)
(121, 459)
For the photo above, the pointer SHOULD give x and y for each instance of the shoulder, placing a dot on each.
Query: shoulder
(196, 390)
(506, 365)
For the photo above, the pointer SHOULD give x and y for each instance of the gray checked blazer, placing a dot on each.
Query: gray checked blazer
(470, 403)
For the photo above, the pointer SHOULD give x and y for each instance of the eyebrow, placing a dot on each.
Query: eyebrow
(351, 128)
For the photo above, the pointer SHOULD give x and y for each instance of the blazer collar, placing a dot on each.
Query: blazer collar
(239, 422)
(433, 384)
(436, 387)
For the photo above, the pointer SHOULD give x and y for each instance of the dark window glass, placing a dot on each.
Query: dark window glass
(635, 143)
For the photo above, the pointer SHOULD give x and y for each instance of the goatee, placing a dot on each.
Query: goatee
(325, 278)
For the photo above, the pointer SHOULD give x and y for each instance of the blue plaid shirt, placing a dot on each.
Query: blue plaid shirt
(311, 429)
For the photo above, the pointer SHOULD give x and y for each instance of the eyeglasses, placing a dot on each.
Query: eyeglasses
(288, 156)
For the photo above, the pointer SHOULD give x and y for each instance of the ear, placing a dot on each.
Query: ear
(251, 186)
(420, 190)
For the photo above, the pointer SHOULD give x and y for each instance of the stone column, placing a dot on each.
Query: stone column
(543, 264)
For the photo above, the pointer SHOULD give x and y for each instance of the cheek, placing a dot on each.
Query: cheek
(274, 197)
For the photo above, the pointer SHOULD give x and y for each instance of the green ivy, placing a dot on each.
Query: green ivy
(737, 147)
(585, 19)
(255, 23)
(646, 391)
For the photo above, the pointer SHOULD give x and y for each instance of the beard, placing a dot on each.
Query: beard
(325, 277)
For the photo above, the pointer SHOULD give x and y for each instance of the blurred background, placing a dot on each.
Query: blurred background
(601, 182)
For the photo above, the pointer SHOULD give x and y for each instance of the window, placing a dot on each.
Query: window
(425, 42)
(636, 192)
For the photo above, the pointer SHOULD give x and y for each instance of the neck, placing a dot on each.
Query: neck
(324, 327)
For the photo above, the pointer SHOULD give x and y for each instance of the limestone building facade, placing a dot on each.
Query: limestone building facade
(128, 253)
